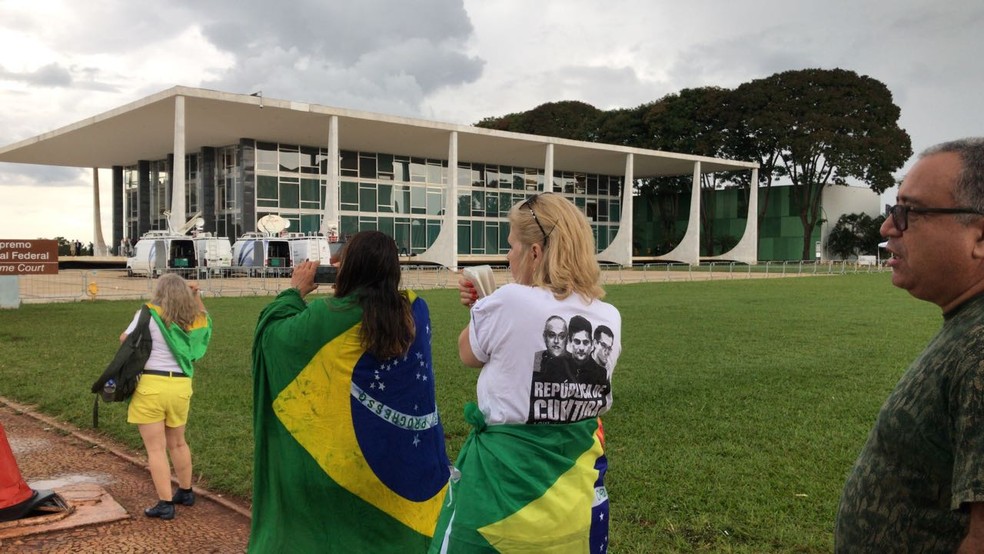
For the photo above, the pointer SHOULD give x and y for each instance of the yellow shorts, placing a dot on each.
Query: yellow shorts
(160, 398)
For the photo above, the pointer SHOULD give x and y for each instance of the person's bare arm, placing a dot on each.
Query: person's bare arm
(302, 277)
(465, 350)
(198, 296)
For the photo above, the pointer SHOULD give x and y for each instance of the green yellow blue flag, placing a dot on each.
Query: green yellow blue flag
(527, 488)
(349, 450)
(186, 345)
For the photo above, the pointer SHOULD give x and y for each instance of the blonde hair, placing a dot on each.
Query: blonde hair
(569, 265)
(178, 304)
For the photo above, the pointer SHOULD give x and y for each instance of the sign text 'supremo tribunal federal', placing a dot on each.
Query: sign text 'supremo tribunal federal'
(28, 257)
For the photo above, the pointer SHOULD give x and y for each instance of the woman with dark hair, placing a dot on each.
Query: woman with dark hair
(349, 448)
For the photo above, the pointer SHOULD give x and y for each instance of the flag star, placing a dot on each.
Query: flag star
(422, 364)
(428, 328)
(418, 376)
(424, 377)
(601, 516)
(416, 440)
(382, 386)
(382, 366)
(420, 355)
(372, 385)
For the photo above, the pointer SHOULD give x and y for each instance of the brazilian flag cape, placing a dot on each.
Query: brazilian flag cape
(527, 488)
(186, 345)
(349, 450)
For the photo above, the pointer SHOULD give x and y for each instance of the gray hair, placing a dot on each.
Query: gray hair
(969, 188)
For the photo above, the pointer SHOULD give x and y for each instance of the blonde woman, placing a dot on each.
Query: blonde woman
(531, 473)
(180, 332)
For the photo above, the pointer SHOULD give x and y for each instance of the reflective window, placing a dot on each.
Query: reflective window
(290, 194)
(418, 200)
(266, 156)
(310, 194)
(290, 158)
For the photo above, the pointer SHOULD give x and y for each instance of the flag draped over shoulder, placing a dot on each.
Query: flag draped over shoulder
(349, 450)
(186, 345)
(527, 488)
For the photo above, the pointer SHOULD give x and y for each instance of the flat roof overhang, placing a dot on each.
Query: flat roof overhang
(143, 130)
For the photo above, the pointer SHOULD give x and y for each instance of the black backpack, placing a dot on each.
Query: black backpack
(126, 366)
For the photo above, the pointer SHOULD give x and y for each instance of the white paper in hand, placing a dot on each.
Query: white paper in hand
(481, 276)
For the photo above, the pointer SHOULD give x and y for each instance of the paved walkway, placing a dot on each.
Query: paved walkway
(75, 285)
(53, 455)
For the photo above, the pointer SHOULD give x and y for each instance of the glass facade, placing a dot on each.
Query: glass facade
(402, 196)
(228, 193)
(131, 202)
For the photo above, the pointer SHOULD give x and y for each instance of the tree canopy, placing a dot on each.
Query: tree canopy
(826, 127)
(814, 127)
(855, 234)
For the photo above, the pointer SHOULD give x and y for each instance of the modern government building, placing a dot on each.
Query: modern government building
(441, 190)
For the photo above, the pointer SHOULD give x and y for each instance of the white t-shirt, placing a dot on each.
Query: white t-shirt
(161, 357)
(539, 355)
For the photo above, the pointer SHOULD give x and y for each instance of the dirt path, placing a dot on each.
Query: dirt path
(52, 454)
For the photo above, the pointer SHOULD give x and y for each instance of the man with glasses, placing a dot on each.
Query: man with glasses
(604, 339)
(918, 484)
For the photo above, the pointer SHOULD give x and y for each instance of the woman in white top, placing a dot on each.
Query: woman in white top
(531, 474)
(180, 331)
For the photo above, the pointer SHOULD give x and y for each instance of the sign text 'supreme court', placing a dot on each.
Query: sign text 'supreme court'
(28, 257)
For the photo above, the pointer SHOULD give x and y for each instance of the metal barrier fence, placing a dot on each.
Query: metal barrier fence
(655, 272)
(114, 284)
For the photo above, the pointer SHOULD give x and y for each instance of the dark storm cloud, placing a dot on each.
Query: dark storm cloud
(367, 54)
(51, 75)
(44, 175)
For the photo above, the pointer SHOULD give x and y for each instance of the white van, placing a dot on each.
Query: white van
(158, 252)
(214, 254)
(314, 248)
(257, 252)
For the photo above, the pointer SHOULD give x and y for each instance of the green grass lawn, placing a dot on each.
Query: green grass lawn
(739, 406)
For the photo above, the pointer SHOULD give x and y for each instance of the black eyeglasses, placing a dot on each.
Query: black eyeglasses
(900, 213)
(529, 206)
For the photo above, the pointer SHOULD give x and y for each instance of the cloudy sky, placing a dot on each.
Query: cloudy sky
(456, 61)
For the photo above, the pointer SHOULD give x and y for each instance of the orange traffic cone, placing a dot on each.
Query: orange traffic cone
(16, 498)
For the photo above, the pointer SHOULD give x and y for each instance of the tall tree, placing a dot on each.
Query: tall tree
(568, 119)
(826, 127)
(749, 137)
(855, 234)
(693, 121)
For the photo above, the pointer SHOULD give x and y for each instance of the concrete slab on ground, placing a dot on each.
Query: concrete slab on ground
(56, 456)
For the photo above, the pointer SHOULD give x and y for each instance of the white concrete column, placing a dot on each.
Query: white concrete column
(329, 221)
(688, 251)
(444, 251)
(98, 242)
(746, 251)
(548, 169)
(178, 215)
(619, 251)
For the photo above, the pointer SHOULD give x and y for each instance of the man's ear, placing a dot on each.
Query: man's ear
(978, 251)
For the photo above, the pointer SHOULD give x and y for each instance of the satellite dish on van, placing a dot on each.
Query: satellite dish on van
(196, 221)
(272, 224)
